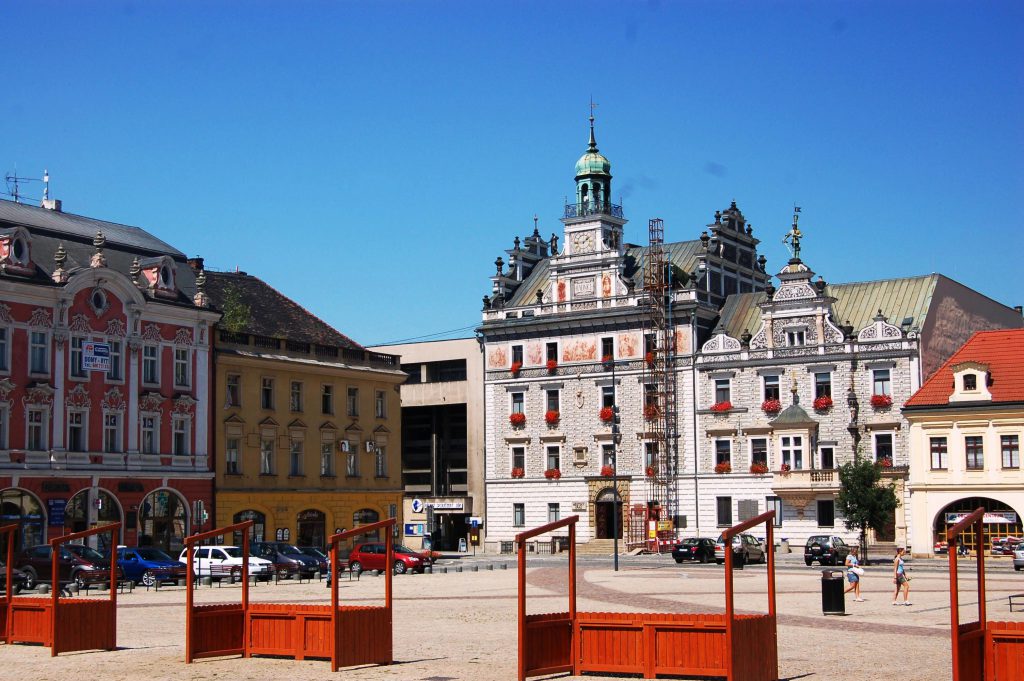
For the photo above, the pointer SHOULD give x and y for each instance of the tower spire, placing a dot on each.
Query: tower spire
(592, 148)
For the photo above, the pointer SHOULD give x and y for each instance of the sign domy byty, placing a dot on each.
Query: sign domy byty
(95, 356)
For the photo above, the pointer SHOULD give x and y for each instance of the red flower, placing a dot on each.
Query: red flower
(785, 469)
(552, 365)
(881, 401)
(721, 407)
(607, 359)
(724, 467)
(758, 468)
(649, 358)
(606, 414)
(885, 462)
(771, 406)
(551, 417)
(651, 412)
(518, 472)
(607, 471)
(516, 368)
(649, 471)
(517, 418)
(823, 403)
(552, 474)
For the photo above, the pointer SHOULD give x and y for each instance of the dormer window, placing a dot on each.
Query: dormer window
(165, 276)
(159, 276)
(15, 251)
(18, 250)
(970, 382)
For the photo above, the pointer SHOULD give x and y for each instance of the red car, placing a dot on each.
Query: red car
(370, 556)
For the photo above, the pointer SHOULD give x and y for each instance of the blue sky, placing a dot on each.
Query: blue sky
(371, 160)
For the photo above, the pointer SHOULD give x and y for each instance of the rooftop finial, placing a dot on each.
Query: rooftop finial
(593, 142)
(97, 259)
(793, 236)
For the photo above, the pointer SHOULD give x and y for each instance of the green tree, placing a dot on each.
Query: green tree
(236, 313)
(863, 501)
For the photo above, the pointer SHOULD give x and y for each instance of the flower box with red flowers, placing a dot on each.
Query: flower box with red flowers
(552, 474)
(518, 473)
(552, 365)
(823, 403)
(517, 418)
(771, 407)
(758, 468)
(881, 401)
(885, 462)
(785, 469)
(607, 471)
(551, 417)
(516, 368)
(651, 412)
(649, 471)
(721, 407)
(607, 361)
(724, 467)
(606, 414)
(649, 358)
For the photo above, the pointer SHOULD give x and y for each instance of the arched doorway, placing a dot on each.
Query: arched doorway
(91, 507)
(607, 503)
(994, 512)
(163, 522)
(258, 529)
(311, 528)
(365, 516)
(21, 508)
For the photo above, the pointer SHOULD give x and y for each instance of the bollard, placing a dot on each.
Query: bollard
(444, 571)
(206, 581)
(472, 568)
(43, 588)
(458, 568)
(490, 566)
(73, 587)
(504, 566)
(181, 582)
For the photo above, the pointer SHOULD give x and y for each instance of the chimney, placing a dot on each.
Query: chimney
(47, 202)
(1019, 309)
(52, 204)
(196, 264)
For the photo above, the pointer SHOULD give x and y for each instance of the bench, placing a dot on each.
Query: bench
(219, 572)
(1016, 600)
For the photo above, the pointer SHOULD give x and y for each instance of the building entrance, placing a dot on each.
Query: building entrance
(605, 508)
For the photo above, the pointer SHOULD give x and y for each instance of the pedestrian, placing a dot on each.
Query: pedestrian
(853, 574)
(900, 578)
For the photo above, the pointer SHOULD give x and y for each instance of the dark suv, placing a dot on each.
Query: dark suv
(287, 559)
(826, 549)
(75, 563)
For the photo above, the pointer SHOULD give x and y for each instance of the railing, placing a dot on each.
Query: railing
(579, 210)
(822, 475)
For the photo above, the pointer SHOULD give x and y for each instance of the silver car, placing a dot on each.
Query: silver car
(1018, 558)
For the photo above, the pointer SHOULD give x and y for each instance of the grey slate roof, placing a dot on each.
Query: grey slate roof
(792, 416)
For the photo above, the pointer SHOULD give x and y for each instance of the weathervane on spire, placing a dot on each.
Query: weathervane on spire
(593, 141)
(793, 236)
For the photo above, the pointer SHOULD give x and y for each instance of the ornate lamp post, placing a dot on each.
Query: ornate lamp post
(854, 430)
(616, 438)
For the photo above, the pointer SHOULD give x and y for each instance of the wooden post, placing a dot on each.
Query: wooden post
(332, 574)
(11, 532)
(574, 630)
(54, 596)
(976, 518)
(245, 593)
(521, 606)
(189, 578)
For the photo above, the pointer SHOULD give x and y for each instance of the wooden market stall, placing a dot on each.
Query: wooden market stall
(737, 647)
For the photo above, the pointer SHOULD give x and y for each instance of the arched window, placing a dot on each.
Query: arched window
(163, 522)
(995, 510)
(91, 506)
(21, 508)
(311, 528)
(258, 529)
(365, 516)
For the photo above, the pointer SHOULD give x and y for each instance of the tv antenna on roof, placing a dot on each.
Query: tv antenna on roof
(13, 184)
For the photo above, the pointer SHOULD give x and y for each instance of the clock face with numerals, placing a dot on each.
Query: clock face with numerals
(583, 242)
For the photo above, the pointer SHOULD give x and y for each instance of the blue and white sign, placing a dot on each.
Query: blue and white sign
(95, 356)
(56, 511)
(417, 506)
(414, 529)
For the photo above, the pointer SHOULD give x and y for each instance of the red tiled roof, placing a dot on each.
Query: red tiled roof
(1003, 353)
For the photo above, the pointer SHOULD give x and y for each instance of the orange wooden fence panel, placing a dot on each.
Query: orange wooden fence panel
(84, 624)
(364, 635)
(756, 656)
(1005, 650)
(216, 630)
(30, 621)
(548, 643)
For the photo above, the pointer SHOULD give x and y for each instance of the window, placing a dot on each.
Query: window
(517, 403)
(650, 454)
(554, 457)
(267, 393)
(353, 401)
(723, 393)
(182, 368)
(295, 396)
(793, 452)
(518, 515)
(267, 455)
(759, 451)
(775, 504)
(723, 451)
(608, 455)
(883, 446)
(794, 338)
(724, 507)
(116, 372)
(975, 452)
(4, 347)
(826, 513)
(517, 354)
(327, 399)
(939, 450)
(519, 457)
(828, 459)
(552, 399)
(231, 466)
(4, 424)
(970, 381)
(352, 462)
(112, 432)
(179, 436)
(554, 514)
(327, 458)
(608, 396)
(76, 431)
(881, 384)
(148, 426)
(380, 459)
(36, 433)
(38, 352)
(380, 404)
(150, 364)
(295, 453)
(822, 385)
(551, 353)
(76, 369)
(771, 387)
(233, 390)
(1011, 451)
(607, 348)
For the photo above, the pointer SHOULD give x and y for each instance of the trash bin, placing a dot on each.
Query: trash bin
(833, 600)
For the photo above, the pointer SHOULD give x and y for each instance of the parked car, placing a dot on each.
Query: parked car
(826, 549)
(321, 557)
(1018, 558)
(18, 578)
(148, 565)
(745, 547)
(1005, 546)
(695, 548)
(216, 560)
(941, 547)
(286, 557)
(370, 556)
(75, 563)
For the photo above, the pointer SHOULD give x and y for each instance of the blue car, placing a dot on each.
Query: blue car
(147, 565)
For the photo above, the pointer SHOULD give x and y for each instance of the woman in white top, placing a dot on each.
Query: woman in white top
(853, 574)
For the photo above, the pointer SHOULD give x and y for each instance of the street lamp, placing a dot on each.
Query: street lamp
(854, 404)
(616, 438)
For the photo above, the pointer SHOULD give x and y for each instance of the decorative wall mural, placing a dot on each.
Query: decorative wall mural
(561, 290)
(629, 345)
(606, 285)
(497, 359)
(534, 354)
(580, 350)
(582, 288)
(683, 341)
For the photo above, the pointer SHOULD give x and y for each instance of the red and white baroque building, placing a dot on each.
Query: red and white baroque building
(130, 443)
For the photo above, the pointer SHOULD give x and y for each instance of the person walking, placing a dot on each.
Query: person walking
(900, 578)
(853, 574)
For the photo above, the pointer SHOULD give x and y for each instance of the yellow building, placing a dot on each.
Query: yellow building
(306, 422)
